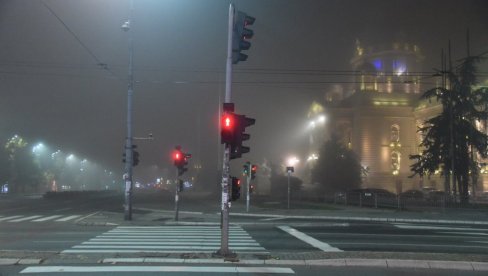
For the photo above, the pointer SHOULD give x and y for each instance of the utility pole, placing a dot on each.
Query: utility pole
(128, 142)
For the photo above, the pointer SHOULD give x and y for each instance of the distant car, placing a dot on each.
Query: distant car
(412, 194)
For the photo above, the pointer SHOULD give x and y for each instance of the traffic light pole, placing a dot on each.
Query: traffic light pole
(248, 197)
(224, 237)
(177, 197)
(128, 144)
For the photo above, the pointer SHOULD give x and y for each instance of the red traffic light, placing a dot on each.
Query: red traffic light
(228, 122)
(254, 168)
(177, 155)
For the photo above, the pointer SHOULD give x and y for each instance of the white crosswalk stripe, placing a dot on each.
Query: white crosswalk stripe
(167, 239)
(38, 218)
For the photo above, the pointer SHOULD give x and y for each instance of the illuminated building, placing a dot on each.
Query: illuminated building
(379, 115)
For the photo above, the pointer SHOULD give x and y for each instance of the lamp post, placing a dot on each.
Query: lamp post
(289, 170)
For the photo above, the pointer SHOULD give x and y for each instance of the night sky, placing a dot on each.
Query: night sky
(52, 89)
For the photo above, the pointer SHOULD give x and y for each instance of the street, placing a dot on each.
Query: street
(88, 230)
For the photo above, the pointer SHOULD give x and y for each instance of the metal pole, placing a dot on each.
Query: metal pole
(177, 198)
(248, 197)
(128, 145)
(289, 189)
(224, 237)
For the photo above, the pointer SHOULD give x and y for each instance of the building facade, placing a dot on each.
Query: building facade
(379, 115)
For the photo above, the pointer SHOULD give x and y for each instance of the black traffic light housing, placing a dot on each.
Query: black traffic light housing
(235, 188)
(254, 170)
(237, 149)
(181, 160)
(240, 36)
(135, 156)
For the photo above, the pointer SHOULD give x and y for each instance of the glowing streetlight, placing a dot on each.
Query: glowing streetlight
(37, 148)
(292, 161)
(321, 119)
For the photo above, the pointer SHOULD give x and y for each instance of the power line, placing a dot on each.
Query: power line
(99, 63)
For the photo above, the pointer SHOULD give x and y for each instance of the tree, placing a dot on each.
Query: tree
(337, 168)
(452, 135)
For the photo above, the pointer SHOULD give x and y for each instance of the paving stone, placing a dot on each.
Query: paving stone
(366, 262)
(29, 261)
(477, 266)
(450, 265)
(407, 264)
(327, 262)
(8, 261)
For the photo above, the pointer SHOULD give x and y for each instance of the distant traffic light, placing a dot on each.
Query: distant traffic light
(135, 156)
(124, 157)
(254, 169)
(247, 169)
(235, 189)
(251, 188)
(180, 185)
(180, 160)
(241, 35)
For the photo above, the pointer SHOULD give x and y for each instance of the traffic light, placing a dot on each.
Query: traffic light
(254, 169)
(124, 156)
(240, 136)
(180, 185)
(247, 169)
(235, 188)
(228, 124)
(251, 188)
(180, 160)
(240, 36)
(135, 156)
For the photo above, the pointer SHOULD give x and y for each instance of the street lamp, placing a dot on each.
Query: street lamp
(292, 161)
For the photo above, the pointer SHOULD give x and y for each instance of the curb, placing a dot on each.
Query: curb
(380, 263)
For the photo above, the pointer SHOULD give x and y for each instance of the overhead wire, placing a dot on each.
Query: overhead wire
(101, 64)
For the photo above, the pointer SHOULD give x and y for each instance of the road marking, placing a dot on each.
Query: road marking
(180, 242)
(198, 269)
(270, 219)
(306, 238)
(47, 218)
(167, 239)
(188, 239)
(11, 217)
(464, 233)
(24, 219)
(83, 251)
(428, 227)
(68, 218)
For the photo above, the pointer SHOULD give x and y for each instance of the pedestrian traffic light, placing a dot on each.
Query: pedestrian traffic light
(240, 36)
(247, 169)
(240, 136)
(251, 188)
(235, 188)
(135, 156)
(254, 169)
(227, 124)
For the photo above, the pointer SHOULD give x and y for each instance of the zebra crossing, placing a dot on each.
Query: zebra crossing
(38, 218)
(168, 239)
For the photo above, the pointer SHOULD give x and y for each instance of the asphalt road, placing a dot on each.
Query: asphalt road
(34, 224)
